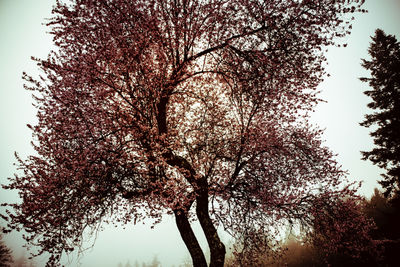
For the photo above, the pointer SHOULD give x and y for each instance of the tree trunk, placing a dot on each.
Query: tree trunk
(217, 248)
(190, 239)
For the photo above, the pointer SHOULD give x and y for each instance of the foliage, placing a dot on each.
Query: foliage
(294, 253)
(194, 108)
(358, 232)
(297, 254)
(385, 82)
(341, 233)
(386, 215)
(5, 254)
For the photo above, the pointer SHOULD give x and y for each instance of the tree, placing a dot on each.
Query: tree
(386, 215)
(5, 254)
(193, 108)
(385, 82)
(155, 262)
(338, 235)
(341, 233)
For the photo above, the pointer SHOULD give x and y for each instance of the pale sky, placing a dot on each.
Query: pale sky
(22, 35)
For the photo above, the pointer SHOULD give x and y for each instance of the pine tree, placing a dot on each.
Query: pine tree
(5, 254)
(386, 216)
(385, 93)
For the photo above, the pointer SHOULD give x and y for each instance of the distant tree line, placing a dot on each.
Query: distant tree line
(5, 254)
(153, 263)
(6, 259)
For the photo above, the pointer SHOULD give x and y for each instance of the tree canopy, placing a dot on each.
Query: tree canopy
(386, 215)
(193, 108)
(385, 93)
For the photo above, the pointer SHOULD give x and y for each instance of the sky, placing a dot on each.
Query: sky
(22, 35)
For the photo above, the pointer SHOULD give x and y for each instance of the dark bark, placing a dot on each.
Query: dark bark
(217, 248)
(162, 115)
(190, 239)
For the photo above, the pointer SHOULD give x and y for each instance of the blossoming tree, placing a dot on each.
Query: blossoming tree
(196, 108)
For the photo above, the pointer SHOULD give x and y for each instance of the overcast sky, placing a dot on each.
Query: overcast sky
(22, 35)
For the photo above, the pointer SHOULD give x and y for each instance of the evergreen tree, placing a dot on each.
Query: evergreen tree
(5, 254)
(385, 93)
(386, 215)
